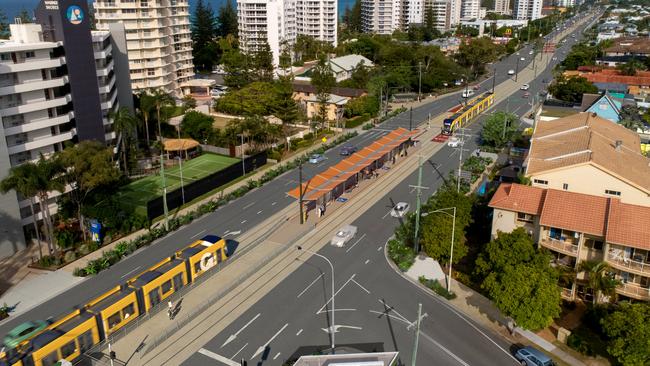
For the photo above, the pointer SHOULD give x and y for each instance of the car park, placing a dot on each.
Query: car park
(454, 142)
(400, 209)
(525, 87)
(316, 158)
(343, 235)
(529, 356)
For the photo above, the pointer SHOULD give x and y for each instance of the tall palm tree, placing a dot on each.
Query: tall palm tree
(124, 123)
(48, 180)
(146, 106)
(599, 280)
(21, 179)
(160, 100)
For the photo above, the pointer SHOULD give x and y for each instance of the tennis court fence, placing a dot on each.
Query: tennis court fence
(193, 189)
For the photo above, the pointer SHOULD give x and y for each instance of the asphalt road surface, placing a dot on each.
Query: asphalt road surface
(375, 307)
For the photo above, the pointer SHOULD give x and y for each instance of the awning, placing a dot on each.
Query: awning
(180, 144)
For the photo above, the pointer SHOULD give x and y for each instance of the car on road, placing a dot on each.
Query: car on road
(400, 209)
(22, 332)
(525, 87)
(348, 150)
(511, 72)
(316, 158)
(454, 142)
(554, 58)
(530, 53)
(522, 59)
(468, 93)
(343, 235)
(529, 356)
(526, 95)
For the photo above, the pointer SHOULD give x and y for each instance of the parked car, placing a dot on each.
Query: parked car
(525, 87)
(529, 356)
(22, 332)
(348, 150)
(343, 235)
(400, 209)
(511, 72)
(468, 93)
(316, 158)
(454, 142)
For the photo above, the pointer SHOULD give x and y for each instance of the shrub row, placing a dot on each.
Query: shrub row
(402, 255)
(437, 288)
(125, 248)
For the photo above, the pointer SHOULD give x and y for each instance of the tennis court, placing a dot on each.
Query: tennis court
(138, 193)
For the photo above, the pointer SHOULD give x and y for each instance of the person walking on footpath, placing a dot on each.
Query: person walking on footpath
(170, 310)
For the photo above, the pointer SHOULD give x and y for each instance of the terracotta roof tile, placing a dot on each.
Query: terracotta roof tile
(629, 225)
(516, 197)
(574, 211)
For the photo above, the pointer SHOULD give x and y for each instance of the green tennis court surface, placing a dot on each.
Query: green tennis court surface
(139, 192)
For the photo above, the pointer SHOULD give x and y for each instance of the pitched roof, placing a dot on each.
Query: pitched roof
(349, 62)
(619, 223)
(585, 138)
(614, 76)
(306, 87)
(638, 45)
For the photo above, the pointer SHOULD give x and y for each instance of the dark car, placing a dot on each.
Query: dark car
(348, 150)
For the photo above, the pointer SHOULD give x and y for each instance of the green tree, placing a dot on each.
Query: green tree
(227, 20)
(4, 26)
(256, 98)
(354, 18)
(284, 61)
(189, 102)
(236, 65)
(161, 100)
(125, 124)
(476, 53)
(197, 125)
(499, 129)
(628, 331)
(48, 180)
(631, 67)
(571, 89)
(145, 107)
(21, 179)
(88, 167)
(285, 107)
(507, 249)
(263, 63)
(203, 27)
(600, 279)
(323, 79)
(25, 17)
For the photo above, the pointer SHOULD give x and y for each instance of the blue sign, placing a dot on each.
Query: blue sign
(95, 231)
(74, 14)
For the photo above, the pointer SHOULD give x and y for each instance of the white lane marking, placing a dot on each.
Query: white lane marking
(243, 221)
(273, 204)
(382, 313)
(339, 290)
(262, 347)
(299, 332)
(226, 233)
(363, 288)
(329, 310)
(367, 261)
(259, 212)
(234, 336)
(337, 327)
(378, 249)
(197, 234)
(387, 213)
(356, 242)
(131, 271)
(307, 288)
(390, 308)
(217, 357)
(241, 349)
(447, 351)
(289, 182)
(276, 356)
(248, 205)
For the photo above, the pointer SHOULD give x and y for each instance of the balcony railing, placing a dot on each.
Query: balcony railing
(567, 293)
(635, 291)
(566, 247)
(629, 264)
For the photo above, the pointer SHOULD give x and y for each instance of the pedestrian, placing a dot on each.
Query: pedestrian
(393, 159)
(170, 310)
(478, 152)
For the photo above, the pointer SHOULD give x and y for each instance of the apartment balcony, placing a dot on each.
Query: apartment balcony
(104, 53)
(36, 106)
(39, 124)
(108, 104)
(105, 89)
(34, 85)
(39, 143)
(105, 70)
(628, 264)
(634, 291)
(6, 68)
(567, 246)
(567, 293)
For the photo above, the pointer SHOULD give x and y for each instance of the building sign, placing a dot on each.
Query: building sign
(95, 231)
(75, 15)
(51, 4)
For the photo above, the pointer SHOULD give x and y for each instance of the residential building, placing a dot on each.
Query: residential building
(306, 96)
(502, 7)
(455, 7)
(43, 69)
(576, 227)
(587, 154)
(387, 16)
(470, 9)
(344, 66)
(527, 9)
(317, 19)
(441, 11)
(629, 46)
(158, 40)
(604, 106)
(637, 85)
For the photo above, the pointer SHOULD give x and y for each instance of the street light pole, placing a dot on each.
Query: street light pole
(419, 187)
(517, 69)
(420, 81)
(494, 79)
(411, 119)
(333, 327)
(243, 165)
(302, 217)
(164, 184)
(417, 335)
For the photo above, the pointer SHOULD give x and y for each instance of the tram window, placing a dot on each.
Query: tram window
(68, 349)
(178, 281)
(85, 341)
(197, 267)
(219, 258)
(114, 320)
(166, 286)
(50, 359)
(154, 297)
(128, 311)
(28, 361)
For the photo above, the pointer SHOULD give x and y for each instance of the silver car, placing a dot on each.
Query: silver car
(343, 235)
(400, 209)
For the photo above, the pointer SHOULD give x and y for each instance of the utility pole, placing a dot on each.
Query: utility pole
(164, 184)
(418, 206)
(417, 335)
(243, 166)
(494, 79)
(460, 156)
(381, 100)
(517, 69)
(411, 119)
(420, 81)
(302, 218)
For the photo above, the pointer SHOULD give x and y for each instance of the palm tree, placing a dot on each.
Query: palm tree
(21, 179)
(146, 105)
(161, 99)
(599, 279)
(124, 123)
(48, 180)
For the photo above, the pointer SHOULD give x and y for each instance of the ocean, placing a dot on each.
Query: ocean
(12, 7)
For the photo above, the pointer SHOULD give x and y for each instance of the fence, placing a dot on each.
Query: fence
(199, 187)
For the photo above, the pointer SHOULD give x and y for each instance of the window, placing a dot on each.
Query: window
(166, 287)
(197, 267)
(114, 320)
(151, 72)
(594, 244)
(565, 186)
(50, 359)
(4, 57)
(154, 297)
(613, 193)
(68, 349)
(540, 181)
(85, 341)
(524, 217)
(128, 311)
(30, 54)
(178, 281)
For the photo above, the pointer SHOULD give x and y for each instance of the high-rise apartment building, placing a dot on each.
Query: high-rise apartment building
(441, 11)
(387, 16)
(275, 22)
(455, 8)
(502, 6)
(527, 9)
(470, 9)
(158, 40)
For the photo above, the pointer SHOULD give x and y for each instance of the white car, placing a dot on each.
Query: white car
(454, 142)
(343, 235)
(511, 72)
(400, 209)
(525, 87)
(468, 93)
(530, 53)
(554, 58)
(522, 59)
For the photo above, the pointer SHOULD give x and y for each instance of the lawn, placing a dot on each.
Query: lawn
(139, 192)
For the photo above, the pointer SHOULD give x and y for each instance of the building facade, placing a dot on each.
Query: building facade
(527, 9)
(158, 40)
(502, 7)
(441, 10)
(470, 9)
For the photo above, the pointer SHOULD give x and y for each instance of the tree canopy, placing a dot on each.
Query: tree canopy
(4, 26)
(571, 89)
(257, 98)
(499, 129)
(203, 27)
(476, 53)
(227, 20)
(197, 125)
(628, 330)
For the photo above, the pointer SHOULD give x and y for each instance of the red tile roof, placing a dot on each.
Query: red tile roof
(642, 78)
(620, 223)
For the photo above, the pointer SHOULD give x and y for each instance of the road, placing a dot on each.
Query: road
(240, 215)
(375, 307)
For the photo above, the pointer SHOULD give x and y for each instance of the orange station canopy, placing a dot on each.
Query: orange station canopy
(326, 181)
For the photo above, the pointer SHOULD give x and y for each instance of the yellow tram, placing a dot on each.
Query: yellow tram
(468, 112)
